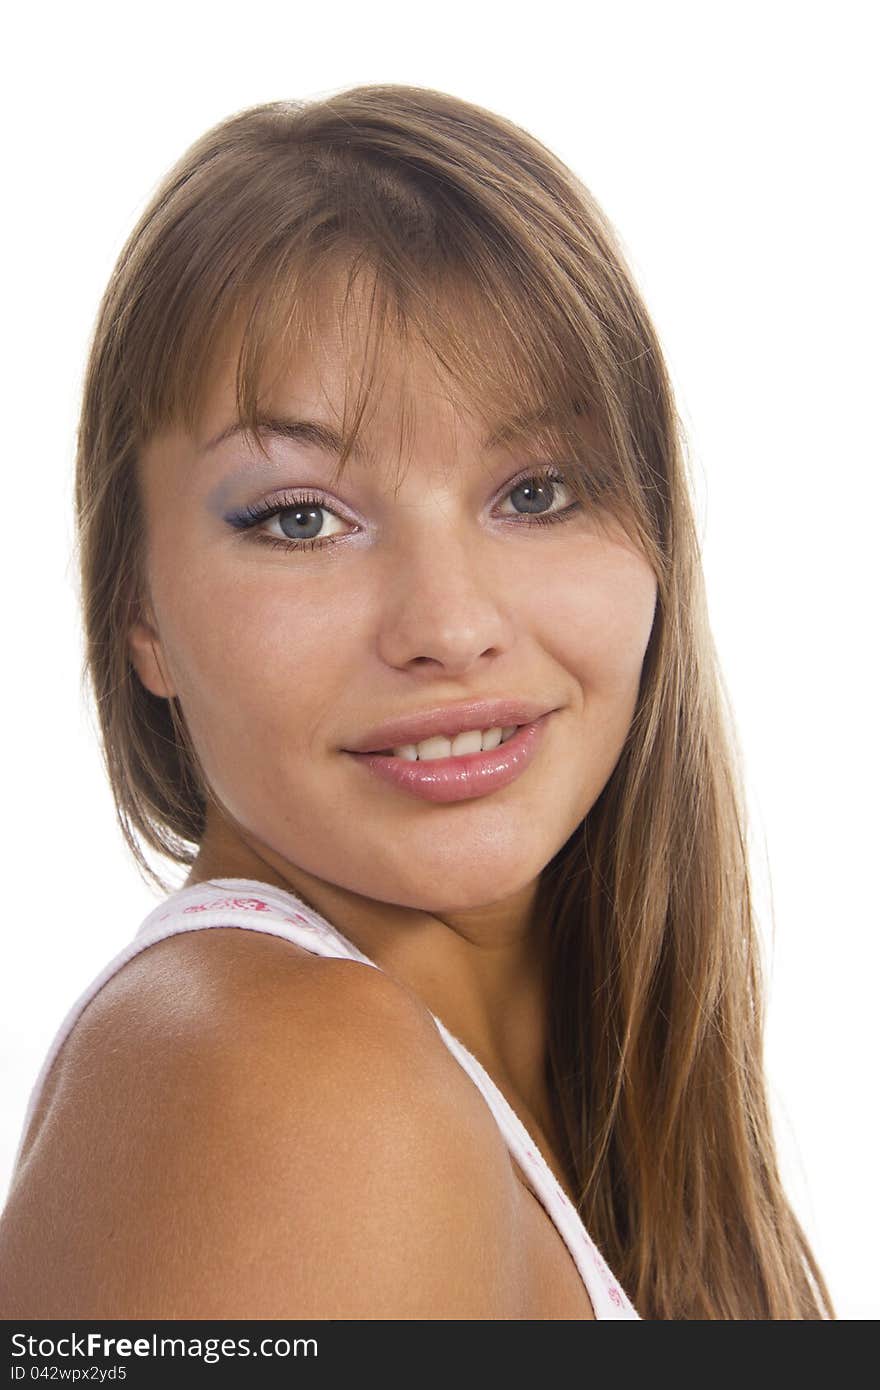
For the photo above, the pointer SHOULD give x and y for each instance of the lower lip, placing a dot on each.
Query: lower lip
(465, 777)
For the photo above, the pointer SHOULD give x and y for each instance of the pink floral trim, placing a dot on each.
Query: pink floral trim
(242, 904)
(238, 905)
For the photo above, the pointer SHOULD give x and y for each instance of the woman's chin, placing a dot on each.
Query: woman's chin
(443, 894)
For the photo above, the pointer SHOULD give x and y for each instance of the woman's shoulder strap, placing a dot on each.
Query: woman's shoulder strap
(253, 906)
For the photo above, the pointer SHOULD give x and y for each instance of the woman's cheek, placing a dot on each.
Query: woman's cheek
(586, 618)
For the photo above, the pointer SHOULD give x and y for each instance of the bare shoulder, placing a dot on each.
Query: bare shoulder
(241, 1129)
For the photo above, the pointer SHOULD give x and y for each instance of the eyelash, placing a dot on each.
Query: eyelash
(248, 519)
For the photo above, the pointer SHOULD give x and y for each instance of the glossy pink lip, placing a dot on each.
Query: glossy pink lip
(465, 777)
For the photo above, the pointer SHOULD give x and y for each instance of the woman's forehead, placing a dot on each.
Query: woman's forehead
(392, 385)
(408, 392)
(332, 331)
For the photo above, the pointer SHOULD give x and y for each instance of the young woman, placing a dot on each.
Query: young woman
(397, 631)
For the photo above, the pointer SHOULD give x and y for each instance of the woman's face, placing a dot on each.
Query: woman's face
(441, 591)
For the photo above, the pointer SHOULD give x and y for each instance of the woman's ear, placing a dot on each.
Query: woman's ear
(147, 656)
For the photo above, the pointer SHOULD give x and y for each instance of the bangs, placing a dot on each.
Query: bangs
(516, 327)
(496, 357)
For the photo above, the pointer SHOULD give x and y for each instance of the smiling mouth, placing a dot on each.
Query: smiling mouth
(439, 746)
(445, 776)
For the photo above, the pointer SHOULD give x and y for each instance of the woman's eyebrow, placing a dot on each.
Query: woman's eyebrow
(324, 436)
(315, 432)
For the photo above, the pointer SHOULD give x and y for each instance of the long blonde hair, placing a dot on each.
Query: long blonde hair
(480, 243)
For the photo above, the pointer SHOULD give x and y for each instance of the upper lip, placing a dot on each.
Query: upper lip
(449, 720)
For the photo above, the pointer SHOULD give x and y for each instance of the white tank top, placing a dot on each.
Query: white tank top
(255, 906)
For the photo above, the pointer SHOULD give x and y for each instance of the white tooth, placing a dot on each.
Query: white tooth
(469, 742)
(436, 747)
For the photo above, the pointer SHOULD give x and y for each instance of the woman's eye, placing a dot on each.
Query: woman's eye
(300, 523)
(296, 524)
(304, 520)
(535, 496)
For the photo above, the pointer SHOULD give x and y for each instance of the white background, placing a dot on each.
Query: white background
(734, 146)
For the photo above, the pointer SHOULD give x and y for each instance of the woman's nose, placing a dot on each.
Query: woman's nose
(445, 601)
